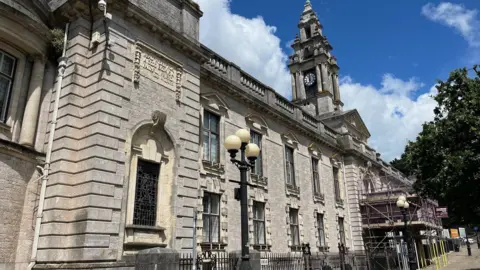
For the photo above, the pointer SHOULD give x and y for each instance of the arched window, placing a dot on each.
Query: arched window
(150, 177)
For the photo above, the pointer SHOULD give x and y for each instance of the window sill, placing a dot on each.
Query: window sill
(145, 228)
(213, 167)
(213, 246)
(319, 198)
(296, 248)
(323, 249)
(262, 247)
(339, 203)
(142, 245)
(293, 189)
(5, 126)
(259, 180)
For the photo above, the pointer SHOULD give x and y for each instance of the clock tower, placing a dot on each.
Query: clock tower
(313, 68)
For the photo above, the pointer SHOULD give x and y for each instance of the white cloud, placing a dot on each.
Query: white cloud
(389, 113)
(391, 116)
(249, 43)
(463, 20)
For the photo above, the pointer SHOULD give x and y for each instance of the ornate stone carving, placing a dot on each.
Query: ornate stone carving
(158, 68)
(159, 118)
(178, 94)
(136, 70)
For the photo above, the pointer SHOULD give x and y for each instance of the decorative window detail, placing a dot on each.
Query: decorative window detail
(151, 163)
(290, 168)
(7, 69)
(341, 231)
(259, 223)
(317, 192)
(259, 219)
(211, 218)
(211, 134)
(336, 183)
(294, 229)
(145, 209)
(322, 244)
(256, 138)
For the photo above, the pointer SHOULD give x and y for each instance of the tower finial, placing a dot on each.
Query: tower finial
(308, 2)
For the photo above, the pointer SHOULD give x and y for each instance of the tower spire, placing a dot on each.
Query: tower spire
(313, 69)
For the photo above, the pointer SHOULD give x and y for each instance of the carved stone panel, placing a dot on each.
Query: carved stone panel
(158, 68)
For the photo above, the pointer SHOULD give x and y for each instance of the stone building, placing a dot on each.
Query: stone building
(112, 148)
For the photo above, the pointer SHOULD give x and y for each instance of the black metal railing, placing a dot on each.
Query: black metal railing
(304, 260)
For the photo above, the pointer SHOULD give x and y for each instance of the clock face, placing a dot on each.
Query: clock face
(309, 79)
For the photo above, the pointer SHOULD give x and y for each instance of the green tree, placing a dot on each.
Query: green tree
(445, 157)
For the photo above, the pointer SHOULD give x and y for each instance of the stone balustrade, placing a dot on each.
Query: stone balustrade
(254, 88)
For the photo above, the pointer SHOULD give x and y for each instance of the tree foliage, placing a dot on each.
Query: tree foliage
(445, 157)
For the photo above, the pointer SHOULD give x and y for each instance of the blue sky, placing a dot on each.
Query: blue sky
(373, 37)
(390, 52)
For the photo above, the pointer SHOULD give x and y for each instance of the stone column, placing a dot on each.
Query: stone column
(325, 78)
(301, 87)
(30, 117)
(318, 74)
(336, 90)
(294, 89)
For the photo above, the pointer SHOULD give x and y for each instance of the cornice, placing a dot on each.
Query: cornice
(261, 106)
(20, 151)
(73, 9)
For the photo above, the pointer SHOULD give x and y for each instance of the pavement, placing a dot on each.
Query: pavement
(461, 260)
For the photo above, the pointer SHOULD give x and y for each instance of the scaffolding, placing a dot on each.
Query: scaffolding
(382, 224)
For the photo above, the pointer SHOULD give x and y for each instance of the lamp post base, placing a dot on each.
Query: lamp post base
(245, 265)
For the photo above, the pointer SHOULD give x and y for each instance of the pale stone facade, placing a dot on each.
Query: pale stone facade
(136, 90)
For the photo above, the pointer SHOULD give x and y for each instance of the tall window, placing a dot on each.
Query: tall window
(290, 168)
(294, 232)
(7, 67)
(211, 141)
(321, 230)
(341, 230)
(336, 183)
(259, 223)
(316, 177)
(256, 138)
(145, 207)
(211, 218)
(308, 32)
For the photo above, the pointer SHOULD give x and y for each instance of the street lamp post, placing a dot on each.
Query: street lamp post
(233, 143)
(403, 205)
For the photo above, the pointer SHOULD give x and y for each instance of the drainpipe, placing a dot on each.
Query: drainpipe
(61, 69)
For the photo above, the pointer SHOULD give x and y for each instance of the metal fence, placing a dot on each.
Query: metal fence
(266, 261)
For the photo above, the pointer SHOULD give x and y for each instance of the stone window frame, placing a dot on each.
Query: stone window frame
(293, 204)
(316, 153)
(213, 103)
(11, 78)
(147, 153)
(18, 90)
(258, 194)
(316, 212)
(258, 124)
(291, 141)
(215, 185)
(336, 164)
(345, 229)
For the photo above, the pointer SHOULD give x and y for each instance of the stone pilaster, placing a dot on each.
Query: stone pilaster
(294, 89)
(29, 123)
(336, 90)
(318, 74)
(324, 73)
(301, 87)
